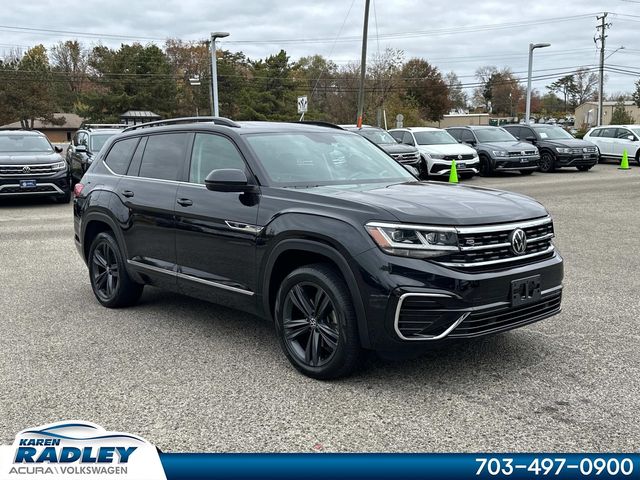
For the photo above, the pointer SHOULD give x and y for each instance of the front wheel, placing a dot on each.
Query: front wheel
(110, 281)
(316, 322)
(486, 169)
(547, 162)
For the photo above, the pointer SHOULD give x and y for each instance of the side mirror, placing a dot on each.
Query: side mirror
(631, 137)
(57, 149)
(228, 180)
(81, 148)
(471, 142)
(531, 139)
(398, 140)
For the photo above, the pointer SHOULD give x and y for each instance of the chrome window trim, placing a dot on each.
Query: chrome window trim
(27, 192)
(190, 277)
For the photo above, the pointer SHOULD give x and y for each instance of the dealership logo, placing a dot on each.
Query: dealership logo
(518, 241)
(79, 449)
(26, 169)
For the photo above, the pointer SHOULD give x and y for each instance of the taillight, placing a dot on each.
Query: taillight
(77, 190)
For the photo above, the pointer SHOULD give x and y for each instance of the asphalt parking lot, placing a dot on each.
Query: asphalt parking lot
(192, 376)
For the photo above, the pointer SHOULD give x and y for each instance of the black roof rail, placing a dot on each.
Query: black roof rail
(177, 121)
(320, 124)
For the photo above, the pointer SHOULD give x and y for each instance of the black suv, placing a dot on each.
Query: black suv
(30, 165)
(406, 155)
(86, 143)
(341, 256)
(499, 151)
(558, 148)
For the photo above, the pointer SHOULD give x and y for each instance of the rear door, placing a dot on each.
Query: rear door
(216, 231)
(148, 192)
(606, 141)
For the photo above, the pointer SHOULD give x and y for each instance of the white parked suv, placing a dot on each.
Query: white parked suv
(438, 149)
(613, 140)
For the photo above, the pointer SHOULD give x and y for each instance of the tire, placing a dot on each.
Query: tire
(547, 162)
(110, 281)
(320, 344)
(638, 158)
(486, 169)
(423, 169)
(526, 172)
(66, 198)
(584, 168)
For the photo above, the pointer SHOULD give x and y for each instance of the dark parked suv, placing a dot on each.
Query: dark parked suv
(558, 148)
(86, 144)
(499, 151)
(341, 256)
(30, 165)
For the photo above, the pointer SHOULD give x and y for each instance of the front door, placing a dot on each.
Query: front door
(215, 231)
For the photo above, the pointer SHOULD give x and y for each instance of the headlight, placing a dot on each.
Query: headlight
(59, 166)
(414, 240)
(563, 150)
(437, 156)
(500, 153)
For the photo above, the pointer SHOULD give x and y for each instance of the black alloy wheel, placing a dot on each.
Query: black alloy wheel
(547, 162)
(110, 281)
(485, 166)
(316, 322)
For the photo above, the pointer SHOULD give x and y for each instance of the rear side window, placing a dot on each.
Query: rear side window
(467, 136)
(515, 131)
(164, 156)
(595, 133)
(397, 136)
(212, 152)
(608, 132)
(455, 133)
(120, 154)
(407, 139)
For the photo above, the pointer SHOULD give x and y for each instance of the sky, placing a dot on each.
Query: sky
(454, 35)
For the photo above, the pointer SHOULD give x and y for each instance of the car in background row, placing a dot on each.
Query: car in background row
(613, 140)
(30, 165)
(558, 148)
(499, 151)
(85, 145)
(403, 154)
(438, 150)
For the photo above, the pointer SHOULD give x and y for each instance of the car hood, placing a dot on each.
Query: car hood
(437, 203)
(568, 142)
(396, 148)
(508, 146)
(28, 158)
(448, 149)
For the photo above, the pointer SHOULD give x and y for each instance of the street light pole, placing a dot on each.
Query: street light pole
(214, 72)
(532, 47)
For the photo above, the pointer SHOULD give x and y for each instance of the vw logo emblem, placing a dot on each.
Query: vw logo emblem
(26, 169)
(518, 241)
(523, 152)
(459, 157)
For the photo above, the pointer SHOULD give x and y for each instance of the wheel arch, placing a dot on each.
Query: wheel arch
(95, 223)
(293, 253)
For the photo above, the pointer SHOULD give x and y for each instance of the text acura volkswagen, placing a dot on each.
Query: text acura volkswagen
(341, 256)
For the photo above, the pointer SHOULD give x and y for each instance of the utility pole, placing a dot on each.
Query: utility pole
(601, 38)
(363, 62)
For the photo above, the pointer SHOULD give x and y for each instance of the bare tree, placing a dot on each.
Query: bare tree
(71, 60)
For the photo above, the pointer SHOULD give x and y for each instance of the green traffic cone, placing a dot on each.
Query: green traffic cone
(453, 174)
(624, 165)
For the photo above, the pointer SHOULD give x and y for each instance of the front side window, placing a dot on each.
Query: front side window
(212, 152)
(164, 156)
(624, 134)
(455, 133)
(306, 159)
(397, 135)
(434, 137)
(24, 143)
(120, 154)
(407, 139)
(467, 136)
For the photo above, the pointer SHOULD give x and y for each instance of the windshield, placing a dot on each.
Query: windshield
(435, 137)
(24, 143)
(488, 135)
(98, 141)
(553, 133)
(379, 137)
(305, 159)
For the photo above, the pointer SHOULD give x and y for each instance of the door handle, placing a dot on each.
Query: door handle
(128, 193)
(185, 202)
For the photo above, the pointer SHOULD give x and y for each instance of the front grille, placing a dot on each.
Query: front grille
(488, 248)
(466, 156)
(523, 153)
(506, 317)
(26, 170)
(406, 157)
(580, 150)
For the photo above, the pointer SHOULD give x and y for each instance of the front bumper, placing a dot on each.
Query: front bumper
(443, 167)
(412, 296)
(46, 185)
(576, 160)
(516, 163)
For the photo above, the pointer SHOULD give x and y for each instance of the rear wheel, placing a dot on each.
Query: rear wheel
(485, 166)
(110, 281)
(638, 158)
(316, 322)
(584, 168)
(547, 162)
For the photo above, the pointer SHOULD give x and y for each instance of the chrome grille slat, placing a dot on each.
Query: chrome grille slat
(18, 170)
